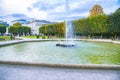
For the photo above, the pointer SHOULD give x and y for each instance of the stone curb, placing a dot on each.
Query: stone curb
(37, 40)
(75, 66)
(21, 41)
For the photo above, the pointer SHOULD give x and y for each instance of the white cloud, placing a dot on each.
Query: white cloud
(79, 8)
(15, 6)
(38, 14)
(110, 6)
(79, 14)
(59, 9)
(8, 19)
(74, 5)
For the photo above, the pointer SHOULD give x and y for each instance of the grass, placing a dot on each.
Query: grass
(4, 38)
(102, 59)
(34, 37)
(111, 55)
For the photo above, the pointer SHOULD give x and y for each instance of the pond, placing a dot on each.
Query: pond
(48, 52)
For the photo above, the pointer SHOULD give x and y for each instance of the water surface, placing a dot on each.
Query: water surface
(83, 53)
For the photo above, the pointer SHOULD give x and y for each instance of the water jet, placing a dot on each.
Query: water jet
(69, 35)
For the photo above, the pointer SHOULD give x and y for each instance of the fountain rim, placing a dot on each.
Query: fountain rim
(55, 65)
(43, 40)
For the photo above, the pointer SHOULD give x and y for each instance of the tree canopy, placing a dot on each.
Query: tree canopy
(2, 29)
(103, 25)
(114, 20)
(57, 29)
(96, 10)
(17, 24)
(96, 25)
(18, 29)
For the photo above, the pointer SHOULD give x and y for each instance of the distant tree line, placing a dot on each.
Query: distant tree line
(107, 26)
(94, 26)
(101, 25)
(2, 29)
(18, 29)
(57, 29)
(114, 24)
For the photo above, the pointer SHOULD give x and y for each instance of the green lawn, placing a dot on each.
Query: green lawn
(4, 38)
(34, 37)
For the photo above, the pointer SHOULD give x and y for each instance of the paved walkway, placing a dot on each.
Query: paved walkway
(17, 72)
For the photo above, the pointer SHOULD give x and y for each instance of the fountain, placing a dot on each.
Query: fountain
(69, 35)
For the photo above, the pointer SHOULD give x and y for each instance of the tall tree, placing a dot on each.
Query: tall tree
(2, 29)
(57, 29)
(96, 10)
(19, 30)
(115, 23)
(17, 24)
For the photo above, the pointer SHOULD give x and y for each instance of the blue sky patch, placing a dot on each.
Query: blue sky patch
(52, 10)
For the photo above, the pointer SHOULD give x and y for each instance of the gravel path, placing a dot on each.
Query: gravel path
(17, 72)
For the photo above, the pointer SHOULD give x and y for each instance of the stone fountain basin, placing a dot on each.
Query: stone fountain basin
(18, 70)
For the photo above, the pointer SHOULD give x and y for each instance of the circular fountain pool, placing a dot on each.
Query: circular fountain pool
(47, 52)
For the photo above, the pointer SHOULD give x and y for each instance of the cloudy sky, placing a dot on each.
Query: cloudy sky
(51, 10)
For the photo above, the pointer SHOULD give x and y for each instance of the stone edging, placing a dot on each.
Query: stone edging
(77, 66)
(37, 40)
(22, 41)
(101, 40)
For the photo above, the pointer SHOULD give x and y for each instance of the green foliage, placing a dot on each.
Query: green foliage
(114, 20)
(99, 25)
(57, 29)
(96, 25)
(2, 38)
(96, 10)
(19, 30)
(82, 26)
(34, 37)
(2, 29)
(17, 24)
